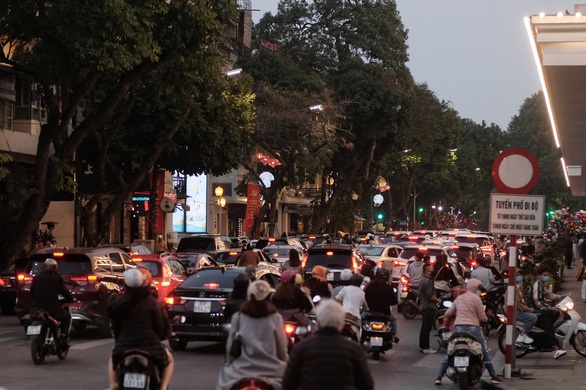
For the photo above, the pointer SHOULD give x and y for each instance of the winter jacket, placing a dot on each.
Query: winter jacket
(45, 290)
(327, 361)
(248, 257)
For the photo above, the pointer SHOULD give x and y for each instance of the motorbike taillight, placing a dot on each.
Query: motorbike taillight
(377, 325)
(36, 314)
(290, 329)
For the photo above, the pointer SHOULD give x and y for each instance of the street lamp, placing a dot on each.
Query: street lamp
(221, 202)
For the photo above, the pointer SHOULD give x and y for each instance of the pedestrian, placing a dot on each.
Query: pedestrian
(483, 273)
(264, 342)
(294, 262)
(569, 256)
(468, 312)
(160, 245)
(327, 360)
(582, 277)
(427, 307)
(415, 270)
(248, 257)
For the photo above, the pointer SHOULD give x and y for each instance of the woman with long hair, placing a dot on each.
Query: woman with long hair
(264, 342)
(294, 262)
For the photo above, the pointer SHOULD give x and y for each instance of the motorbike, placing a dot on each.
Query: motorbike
(298, 326)
(137, 370)
(464, 360)
(493, 300)
(377, 334)
(568, 330)
(45, 336)
(252, 384)
(443, 333)
(351, 330)
(409, 305)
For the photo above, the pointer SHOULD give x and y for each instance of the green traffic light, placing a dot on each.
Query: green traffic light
(421, 209)
(380, 216)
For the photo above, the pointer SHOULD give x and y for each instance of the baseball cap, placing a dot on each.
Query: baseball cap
(260, 290)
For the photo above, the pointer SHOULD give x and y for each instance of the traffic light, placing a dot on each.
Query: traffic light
(380, 216)
(421, 209)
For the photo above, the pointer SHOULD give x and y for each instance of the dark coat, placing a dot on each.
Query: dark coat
(327, 361)
(248, 257)
(45, 290)
(137, 322)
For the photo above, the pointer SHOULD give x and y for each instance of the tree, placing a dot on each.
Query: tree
(97, 60)
(359, 50)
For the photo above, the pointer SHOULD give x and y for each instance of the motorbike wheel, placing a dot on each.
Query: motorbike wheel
(62, 352)
(37, 352)
(463, 380)
(376, 355)
(578, 341)
(520, 351)
(409, 312)
(178, 343)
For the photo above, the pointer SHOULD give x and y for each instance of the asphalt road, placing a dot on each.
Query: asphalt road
(404, 367)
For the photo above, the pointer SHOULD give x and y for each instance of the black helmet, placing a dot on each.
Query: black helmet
(383, 273)
(356, 280)
(50, 265)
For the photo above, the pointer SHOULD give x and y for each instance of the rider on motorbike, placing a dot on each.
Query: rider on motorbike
(380, 296)
(137, 323)
(547, 315)
(45, 290)
(469, 312)
(290, 300)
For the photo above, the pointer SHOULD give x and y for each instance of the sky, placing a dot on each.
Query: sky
(473, 53)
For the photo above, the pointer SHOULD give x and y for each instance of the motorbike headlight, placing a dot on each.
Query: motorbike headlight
(569, 305)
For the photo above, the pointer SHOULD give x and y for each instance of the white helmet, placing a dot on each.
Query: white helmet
(133, 278)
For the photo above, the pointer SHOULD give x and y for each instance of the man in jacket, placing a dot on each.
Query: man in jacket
(45, 290)
(248, 257)
(327, 360)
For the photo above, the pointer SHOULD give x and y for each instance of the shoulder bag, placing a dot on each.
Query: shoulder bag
(236, 346)
(440, 284)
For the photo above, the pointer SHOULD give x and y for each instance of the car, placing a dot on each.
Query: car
(335, 257)
(203, 243)
(280, 253)
(466, 254)
(386, 256)
(485, 242)
(197, 306)
(132, 249)
(195, 261)
(93, 275)
(9, 284)
(166, 270)
(239, 242)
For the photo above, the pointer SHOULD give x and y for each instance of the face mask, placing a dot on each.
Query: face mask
(519, 279)
(546, 278)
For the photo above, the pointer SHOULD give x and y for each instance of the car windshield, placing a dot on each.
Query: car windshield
(408, 253)
(210, 279)
(228, 257)
(196, 244)
(69, 264)
(371, 251)
(274, 251)
(339, 260)
(153, 266)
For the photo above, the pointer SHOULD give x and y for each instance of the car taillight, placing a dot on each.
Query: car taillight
(377, 325)
(24, 278)
(170, 300)
(354, 262)
(58, 254)
(165, 283)
(211, 285)
(399, 263)
(137, 259)
(85, 280)
(289, 329)
(405, 280)
(3, 283)
(303, 261)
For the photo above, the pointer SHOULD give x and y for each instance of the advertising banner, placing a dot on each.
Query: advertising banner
(252, 206)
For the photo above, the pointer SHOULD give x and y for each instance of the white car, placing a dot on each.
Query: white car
(387, 256)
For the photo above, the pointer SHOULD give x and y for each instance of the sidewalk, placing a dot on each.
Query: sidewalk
(539, 370)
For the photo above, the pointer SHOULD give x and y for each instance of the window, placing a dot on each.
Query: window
(6, 115)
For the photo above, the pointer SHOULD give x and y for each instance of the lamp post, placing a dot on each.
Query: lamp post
(221, 202)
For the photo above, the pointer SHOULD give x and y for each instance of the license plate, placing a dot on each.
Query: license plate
(32, 330)
(134, 381)
(461, 361)
(376, 341)
(330, 276)
(202, 306)
(446, 335)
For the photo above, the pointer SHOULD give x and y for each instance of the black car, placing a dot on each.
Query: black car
(335, 258)
(9, 284)
(197, 306)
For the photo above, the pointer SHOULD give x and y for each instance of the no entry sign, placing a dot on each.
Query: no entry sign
(515, 171)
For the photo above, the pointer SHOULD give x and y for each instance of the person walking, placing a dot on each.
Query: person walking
(264, 342)
(160, 245)
(427, 306)
(469, 312)
(327, 360)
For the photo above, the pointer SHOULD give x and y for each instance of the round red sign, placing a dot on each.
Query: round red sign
(515, 171)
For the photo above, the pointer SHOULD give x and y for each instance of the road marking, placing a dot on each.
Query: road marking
(2, 339)
(91, 344)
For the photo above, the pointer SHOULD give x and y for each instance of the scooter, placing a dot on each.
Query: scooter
(409, 305)
(377, 334)
(137, 370)
(569, 329)
(298, 326)
(45, 335)
(464, 360)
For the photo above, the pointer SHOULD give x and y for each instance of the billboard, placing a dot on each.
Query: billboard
(193, 220)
